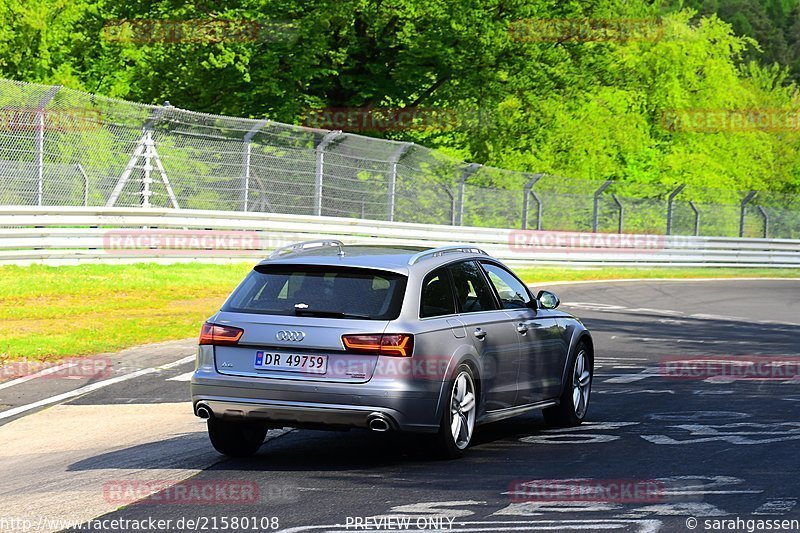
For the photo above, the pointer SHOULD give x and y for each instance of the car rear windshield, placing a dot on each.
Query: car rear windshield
(331, 292)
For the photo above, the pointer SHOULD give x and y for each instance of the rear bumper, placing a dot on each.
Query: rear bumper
(411, 406)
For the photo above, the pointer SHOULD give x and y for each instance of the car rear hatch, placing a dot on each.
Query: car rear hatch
(293, 319)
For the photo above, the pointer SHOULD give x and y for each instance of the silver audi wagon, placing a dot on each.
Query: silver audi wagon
(327, 336)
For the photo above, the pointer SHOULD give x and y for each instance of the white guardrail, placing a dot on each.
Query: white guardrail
(69, 235)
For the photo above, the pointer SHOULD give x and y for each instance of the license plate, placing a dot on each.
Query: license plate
(282, 362)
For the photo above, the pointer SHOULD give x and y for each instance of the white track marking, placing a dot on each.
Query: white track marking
(706, 316)
(701, 485)
(445, 509)
(632, 378)
(680, 341)
(593, 426)
(45, 372)
(533, 508)
(659, 280)
(183, 377)
(582, 434)
(696, 509)
(634, 391)
(606, 358)
(654, 373)
(90, 388)
(179, 362)
(736, 433)
(776, 507)
(610, 308)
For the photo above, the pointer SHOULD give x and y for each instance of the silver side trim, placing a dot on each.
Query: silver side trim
(500, 414)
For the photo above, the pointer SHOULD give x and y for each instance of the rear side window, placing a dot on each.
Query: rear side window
(471, 290)
(437, 295)
(331, 292)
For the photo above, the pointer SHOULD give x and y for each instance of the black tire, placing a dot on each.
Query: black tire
(447, 445)
(574, 401)
(235, 439)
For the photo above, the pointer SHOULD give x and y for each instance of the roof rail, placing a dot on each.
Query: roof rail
(296, 248)
(437, 252)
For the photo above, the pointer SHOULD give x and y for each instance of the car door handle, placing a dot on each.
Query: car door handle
(522, 329)
(479, 333)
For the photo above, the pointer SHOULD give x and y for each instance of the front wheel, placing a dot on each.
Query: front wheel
(235, 439)
(575, 399)
(458, 420)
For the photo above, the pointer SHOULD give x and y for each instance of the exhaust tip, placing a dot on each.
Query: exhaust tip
(379, 423)
(203, 412)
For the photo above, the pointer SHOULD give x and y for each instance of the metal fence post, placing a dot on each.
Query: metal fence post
(528, 191)
(85, 185)
(320, 168)
(596, 216)
(39, 149)
(452, 196)
(471, 169)
(765, 215)
(621, 212)
(696, 218)
(147, 179)
(248, 149)
(670, 201)
(393, 161)
(745, 201)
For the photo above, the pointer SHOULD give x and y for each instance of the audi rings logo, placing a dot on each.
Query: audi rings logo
(286, 335)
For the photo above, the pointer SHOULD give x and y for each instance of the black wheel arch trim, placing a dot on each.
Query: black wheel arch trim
(579, 333)
(469, 359)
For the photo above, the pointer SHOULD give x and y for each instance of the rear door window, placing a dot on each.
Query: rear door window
(437, 295)
(332, 292)
(472, 292)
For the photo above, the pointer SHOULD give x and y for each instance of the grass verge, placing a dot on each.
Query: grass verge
(538, 275)
(48, 313)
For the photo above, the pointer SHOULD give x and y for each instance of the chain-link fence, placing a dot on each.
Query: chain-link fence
(64, 147)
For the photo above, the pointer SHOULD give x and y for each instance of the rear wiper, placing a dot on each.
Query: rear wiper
(329, 314)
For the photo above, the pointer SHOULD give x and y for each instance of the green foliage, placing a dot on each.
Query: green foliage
(586, 109)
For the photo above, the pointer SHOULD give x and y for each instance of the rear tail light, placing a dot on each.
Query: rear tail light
(217, 335)
(394, 344)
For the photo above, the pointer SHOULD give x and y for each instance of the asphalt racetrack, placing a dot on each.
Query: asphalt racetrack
(662, 451)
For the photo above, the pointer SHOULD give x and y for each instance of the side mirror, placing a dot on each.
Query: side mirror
(548, 300)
